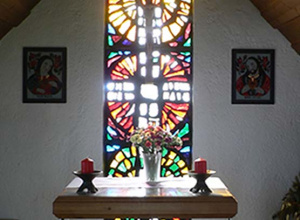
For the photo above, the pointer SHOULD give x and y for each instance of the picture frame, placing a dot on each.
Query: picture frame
(253, 76)
(44, 74)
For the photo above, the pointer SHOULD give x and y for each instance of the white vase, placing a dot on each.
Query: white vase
(152, 164)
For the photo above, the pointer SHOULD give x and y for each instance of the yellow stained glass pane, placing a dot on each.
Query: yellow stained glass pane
(179, 21)
(127, 63)
(118, 175)
(178, 73)
(144, 2)
(110, 103)
(133, 173)
(156, 2)
(185, 5)
(168, 173)
(171, 124)
(120, 156)
(115, 15)
(133, 149)
(127, 164)
(185, 170)
(169, 162)
(125, 26)
(114, 164)
(163, 160)
(113, 8)
(132, 14)
(175, 28)
(172, 155)
(132, 33)
(179, 113)
(167, 70)
(128, 3)
(115, 112)
(119, 74)
(119, 20)
(170, 8)
(166, 15)
(183, 12)
(181, 163)
(113, 1)
(166, 34)
(134, 62)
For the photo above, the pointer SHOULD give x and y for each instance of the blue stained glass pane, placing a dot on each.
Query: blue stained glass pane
(127, 52)
(111, 131)
(111, 30)
(186, 149)
(120, 53)
(188, 59)
(112, 148)
(180, 39)
(126, 42)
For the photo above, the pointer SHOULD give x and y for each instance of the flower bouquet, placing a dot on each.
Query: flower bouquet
(153, 138)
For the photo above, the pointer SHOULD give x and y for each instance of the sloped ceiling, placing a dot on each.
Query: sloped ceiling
(283, 15)
(13, 12)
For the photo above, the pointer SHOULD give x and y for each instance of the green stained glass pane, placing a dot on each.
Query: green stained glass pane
(187, 43)
(184, 131)
(132, 160)
(108, 137)
(174, 167)
(126, 151)
(185, 53)
(111, 172)
(164, 152)
(142, 162)
(163, 171)
(112, 54)
(176, 159)
(110, 41)
(122, 167)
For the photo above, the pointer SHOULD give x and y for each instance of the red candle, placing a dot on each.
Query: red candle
(200, 165)
(87, 165)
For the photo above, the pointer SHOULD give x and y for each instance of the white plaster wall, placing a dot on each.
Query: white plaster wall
(253, 148)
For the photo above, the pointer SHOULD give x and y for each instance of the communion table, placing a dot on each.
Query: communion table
(134, 198)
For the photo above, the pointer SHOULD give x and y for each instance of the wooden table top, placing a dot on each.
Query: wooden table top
(131, 197)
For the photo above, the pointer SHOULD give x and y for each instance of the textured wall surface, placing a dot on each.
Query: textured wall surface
(254, 148)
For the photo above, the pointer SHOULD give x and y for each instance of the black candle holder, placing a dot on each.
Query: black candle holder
(201, 186)
(87, 179)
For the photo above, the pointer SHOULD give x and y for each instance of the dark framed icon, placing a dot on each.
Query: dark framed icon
(253, 76)
(44, 74)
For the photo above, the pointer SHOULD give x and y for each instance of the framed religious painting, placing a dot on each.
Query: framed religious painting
(253, 76)
(44, 74)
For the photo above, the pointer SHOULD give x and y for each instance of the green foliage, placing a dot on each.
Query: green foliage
(290, 207)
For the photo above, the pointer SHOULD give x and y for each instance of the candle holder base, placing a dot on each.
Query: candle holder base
(201, 186)
(87, 186)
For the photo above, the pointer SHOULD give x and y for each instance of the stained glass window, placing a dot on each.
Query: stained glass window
(148, 78)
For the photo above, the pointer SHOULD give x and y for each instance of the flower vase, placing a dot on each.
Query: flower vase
(152, 163)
